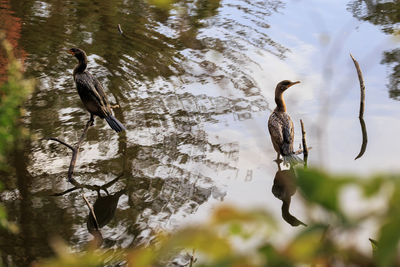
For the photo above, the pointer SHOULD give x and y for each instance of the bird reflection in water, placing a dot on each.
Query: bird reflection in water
(104, 209)
(284, 188)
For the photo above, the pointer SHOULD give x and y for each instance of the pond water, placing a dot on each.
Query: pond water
(195, 85)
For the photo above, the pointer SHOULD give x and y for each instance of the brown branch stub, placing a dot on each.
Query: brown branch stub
(120, 29)
(362, 87)
(305, 148)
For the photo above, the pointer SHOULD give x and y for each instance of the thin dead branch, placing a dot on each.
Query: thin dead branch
(364, 138)
(96, 224)
(305, 148)
(362, 107)
(61, 142)
(65, 192)
(75, 152)
(362, 87)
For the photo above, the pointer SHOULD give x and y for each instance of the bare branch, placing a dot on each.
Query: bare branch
(362, 87)
(76, 152)
(65, 192)
(96, 224)
(362, 107)
(305, 148)
(61, 142)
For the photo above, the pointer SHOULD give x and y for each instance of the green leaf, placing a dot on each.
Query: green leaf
(321, 188)
(307, 246)
(374, 244)
(388, 243)
(273, 257)
(372, 186)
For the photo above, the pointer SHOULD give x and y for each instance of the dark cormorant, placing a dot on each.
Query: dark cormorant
(92, 93)
(280, 126)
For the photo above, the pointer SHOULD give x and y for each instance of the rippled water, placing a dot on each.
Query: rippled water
(195, 85)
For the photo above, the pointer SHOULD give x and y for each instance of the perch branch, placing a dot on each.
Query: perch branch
(305, 148)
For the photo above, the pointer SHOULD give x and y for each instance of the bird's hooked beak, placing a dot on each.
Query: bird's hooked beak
(72, 53)
(293, 83)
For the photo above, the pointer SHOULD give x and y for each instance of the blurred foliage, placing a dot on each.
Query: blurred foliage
(216, 242)
(13, 92)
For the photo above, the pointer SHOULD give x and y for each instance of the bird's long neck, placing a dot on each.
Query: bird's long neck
(81, 65)
(280, 102)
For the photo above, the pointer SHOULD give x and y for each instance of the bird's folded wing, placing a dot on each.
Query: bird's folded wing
(85, 81)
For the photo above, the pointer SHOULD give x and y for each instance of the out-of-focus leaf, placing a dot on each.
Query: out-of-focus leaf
(200, 238)
(142, 257)
(235, 228)
(3, 214)
(307, 245)
(13, 93)
(227, 214)
(91, 258)
(273, 257)
(388, 243)
(321, 188)
(372, 186)
(374, 244)
(164, 4)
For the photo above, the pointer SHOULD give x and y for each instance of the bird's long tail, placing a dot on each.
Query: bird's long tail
(115, 124)
(292, 159)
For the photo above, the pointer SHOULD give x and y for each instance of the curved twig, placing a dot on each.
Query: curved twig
(362, 87)
(61, 142)
(364, 138)
(362, 107)
(65, 192)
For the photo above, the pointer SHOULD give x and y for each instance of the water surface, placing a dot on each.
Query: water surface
(195, 85)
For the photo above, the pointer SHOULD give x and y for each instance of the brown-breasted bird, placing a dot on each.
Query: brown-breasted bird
(92, 93)
(280, 126)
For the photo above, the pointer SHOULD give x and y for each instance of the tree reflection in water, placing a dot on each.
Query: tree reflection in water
(173, 72)
(385, 14)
